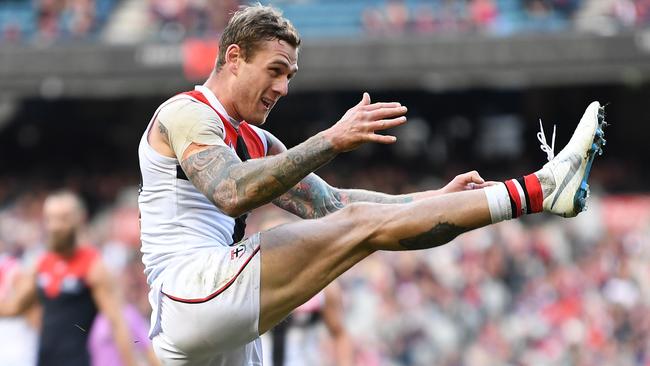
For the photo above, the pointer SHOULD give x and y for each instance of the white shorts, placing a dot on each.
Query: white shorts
(210, 306)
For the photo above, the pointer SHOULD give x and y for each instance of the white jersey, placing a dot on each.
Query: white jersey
(177, 220)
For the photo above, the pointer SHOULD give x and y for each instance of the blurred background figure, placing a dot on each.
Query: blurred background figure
(314, 333)
(72, 284)
(101, 343)
(18, 335)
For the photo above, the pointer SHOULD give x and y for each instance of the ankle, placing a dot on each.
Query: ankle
(546, 181)
(516, 197)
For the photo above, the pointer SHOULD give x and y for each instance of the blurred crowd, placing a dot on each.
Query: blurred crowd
(541, 291)
(53, 20)
(172, 20)
(186, 18)
(505, 17)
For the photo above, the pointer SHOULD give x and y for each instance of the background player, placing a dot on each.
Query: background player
(72, 284)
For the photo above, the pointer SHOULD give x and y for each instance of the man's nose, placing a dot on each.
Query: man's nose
(281, 87)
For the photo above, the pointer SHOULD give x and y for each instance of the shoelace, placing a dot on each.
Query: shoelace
(549, 150)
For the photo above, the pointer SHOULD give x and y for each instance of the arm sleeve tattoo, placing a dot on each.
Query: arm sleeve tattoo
(313, 198)
(236, 187)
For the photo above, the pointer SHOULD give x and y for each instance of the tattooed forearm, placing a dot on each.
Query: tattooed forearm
(310, 199)
(313, 198)
(442, 233)
(237, 187)
(360, 195)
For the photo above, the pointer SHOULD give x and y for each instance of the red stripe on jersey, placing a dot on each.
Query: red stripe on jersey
(251, 138)
(55, 268)
(514, 195)
(253, 141)
(535, 193)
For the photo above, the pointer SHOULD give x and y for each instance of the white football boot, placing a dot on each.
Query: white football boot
(567, 172)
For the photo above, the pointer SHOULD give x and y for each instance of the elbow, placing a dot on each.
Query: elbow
(227, 202)
(230, 208)
(233, 203)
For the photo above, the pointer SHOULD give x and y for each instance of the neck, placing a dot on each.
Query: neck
(66, 252)
(220, 87)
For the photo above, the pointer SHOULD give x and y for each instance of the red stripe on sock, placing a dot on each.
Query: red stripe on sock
(514, 195)
(535, 193)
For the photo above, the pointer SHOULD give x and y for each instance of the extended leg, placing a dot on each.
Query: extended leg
(300, 259)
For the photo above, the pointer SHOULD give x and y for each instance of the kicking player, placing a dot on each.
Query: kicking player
(205, 163)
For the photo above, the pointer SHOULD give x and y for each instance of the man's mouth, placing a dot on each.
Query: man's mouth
(268, 103)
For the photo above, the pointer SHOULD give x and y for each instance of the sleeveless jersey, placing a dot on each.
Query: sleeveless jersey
(176, 219)
(68, 307)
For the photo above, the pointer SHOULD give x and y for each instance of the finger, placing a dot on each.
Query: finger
(484, 185)
(385, 124)
(365, 99)
(381, 139)
(375, 106)
(475, 177)
(383, 113)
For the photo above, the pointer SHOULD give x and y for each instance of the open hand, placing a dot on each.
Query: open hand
(361, 122)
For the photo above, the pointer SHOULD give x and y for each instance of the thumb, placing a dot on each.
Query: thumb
(476, 178)
(365, 99)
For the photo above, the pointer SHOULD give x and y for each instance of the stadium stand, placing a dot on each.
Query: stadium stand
(331, 19)
(48, 20)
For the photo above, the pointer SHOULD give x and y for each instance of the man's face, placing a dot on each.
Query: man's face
(263, 79)
(62, 218)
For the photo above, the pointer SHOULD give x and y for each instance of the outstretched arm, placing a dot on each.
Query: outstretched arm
(312, 197)
(237, 187)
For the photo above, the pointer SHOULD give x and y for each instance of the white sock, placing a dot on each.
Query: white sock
(498, 202)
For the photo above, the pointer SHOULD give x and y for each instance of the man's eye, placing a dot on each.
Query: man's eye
(275, 72)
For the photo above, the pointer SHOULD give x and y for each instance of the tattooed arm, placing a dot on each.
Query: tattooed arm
(237, 187)
(312, 197)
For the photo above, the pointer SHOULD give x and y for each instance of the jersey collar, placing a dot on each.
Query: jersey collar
(216, 104)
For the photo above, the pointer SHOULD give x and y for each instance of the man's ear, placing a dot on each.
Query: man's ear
(233, 57)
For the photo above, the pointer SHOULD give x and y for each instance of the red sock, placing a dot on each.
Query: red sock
(526, 195)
